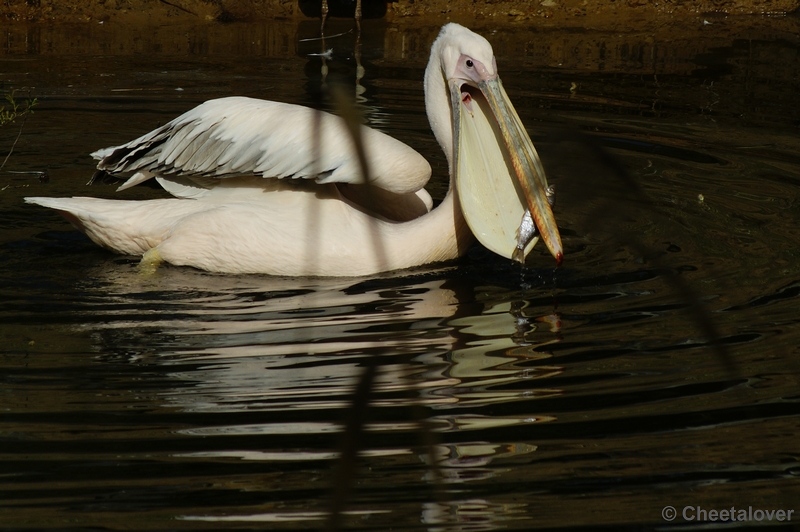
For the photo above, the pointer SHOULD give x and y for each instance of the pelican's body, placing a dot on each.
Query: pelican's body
(266, 187)
(287, 232)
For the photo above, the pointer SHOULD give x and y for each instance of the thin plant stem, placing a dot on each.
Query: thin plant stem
(19, 134)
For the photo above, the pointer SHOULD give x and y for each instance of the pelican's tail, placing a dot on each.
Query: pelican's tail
(127, 227)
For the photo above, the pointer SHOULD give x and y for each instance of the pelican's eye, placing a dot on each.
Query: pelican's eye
(469, 63)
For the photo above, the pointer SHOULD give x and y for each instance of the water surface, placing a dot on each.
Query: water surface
(657, 367)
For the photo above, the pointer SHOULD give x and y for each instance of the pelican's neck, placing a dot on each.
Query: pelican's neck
(440, 235)
(445, 226)
(437, 104)
(443, 232)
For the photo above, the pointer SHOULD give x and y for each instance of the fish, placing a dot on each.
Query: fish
(527, 228)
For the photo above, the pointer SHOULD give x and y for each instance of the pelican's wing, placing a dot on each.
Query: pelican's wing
(233, 137)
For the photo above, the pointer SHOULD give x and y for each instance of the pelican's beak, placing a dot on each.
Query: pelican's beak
(498, 171)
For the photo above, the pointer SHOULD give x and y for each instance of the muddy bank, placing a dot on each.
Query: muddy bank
(562, 12)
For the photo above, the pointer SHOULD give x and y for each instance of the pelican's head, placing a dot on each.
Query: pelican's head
(493, 162)
(465, 56)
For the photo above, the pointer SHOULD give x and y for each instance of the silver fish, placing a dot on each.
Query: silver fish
(527, 228)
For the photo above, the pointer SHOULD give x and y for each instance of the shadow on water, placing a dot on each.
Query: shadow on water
(486, 396)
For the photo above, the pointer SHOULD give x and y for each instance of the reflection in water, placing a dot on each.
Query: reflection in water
(247, 345)
(289, 344)
(502, 398)
(472, 515)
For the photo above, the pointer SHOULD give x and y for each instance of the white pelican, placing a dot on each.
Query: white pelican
(267, 187)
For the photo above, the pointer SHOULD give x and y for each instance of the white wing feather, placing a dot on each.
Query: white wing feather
(236, 136)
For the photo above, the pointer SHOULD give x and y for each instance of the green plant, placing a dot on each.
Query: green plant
(10, 115)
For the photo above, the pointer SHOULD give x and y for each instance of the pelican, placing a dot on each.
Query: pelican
(268, 187)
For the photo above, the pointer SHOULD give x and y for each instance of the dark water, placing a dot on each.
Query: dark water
(658, 367)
